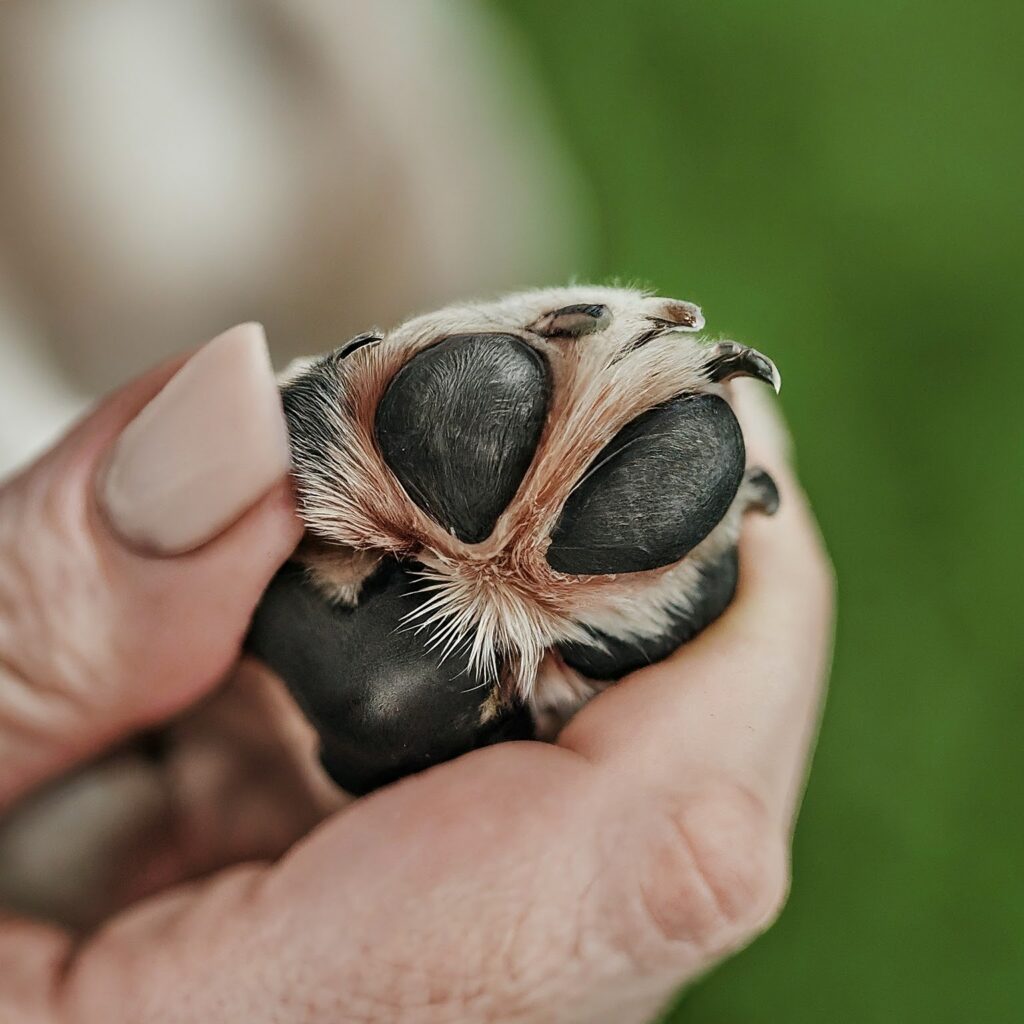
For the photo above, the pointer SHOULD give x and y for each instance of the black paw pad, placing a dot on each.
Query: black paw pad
(459, 424)
(375, 693)
(654, 492)
(620, 657)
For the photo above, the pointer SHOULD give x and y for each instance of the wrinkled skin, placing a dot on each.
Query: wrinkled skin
(524, 882)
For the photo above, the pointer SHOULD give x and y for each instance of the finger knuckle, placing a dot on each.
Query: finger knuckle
(716, 874)
(52, 595)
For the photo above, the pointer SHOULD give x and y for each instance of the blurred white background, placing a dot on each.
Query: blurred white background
(170, 168)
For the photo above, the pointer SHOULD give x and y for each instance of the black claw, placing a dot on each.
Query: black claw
(766, 492)
(730, 359)
(680, 316)
(358, 342)
(572, 321)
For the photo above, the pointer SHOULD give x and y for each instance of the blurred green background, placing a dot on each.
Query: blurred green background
(841, 185)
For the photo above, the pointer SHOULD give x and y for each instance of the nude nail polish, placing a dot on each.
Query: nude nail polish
(203, 451)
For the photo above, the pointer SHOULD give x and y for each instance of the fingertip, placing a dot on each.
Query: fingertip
(765, 432)
(786, 546)
(202, 452)
(786, 583)
(270, 529)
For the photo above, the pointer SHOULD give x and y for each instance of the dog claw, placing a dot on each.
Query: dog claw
(730, 359)
(678, 315)
(573, 321)
(763, 491)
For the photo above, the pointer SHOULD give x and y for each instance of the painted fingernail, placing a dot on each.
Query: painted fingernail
(203, 451)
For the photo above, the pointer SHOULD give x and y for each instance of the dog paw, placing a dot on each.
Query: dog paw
(560, 471)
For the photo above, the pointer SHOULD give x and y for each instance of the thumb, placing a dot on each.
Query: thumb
(133, 554)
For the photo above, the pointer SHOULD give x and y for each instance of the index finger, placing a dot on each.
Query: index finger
(740, 701)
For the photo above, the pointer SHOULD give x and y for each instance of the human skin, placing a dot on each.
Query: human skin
(580, 881)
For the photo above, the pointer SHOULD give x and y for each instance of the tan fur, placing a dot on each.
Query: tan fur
(501, 596)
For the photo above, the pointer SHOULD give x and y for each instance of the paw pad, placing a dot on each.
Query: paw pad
(459, 424)
(661, 485)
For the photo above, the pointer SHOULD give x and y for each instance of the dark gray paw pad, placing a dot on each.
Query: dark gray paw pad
(654, 492)
(459, 425)
(620, 657)
(382, 705)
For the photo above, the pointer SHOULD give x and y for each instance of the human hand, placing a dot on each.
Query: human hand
(524, 882)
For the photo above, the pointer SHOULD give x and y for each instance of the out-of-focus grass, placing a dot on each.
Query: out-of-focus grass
(841, 184)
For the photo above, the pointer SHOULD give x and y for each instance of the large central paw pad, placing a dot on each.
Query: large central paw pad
(459, 425)
(507, 506)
